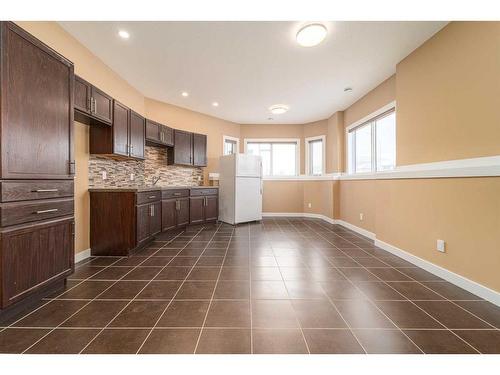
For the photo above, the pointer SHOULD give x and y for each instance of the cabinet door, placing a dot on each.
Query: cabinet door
(183, 146)
(196, 210)
(82, 95)
(102, 105)
(182, 212)
(211, 208)
(155, 218)
(152, 131)
(199, 150)
(167, 135)
(120, 128)
(142, 223)
(168, 214)
(136, 135)
(37, 108)
(33, 256)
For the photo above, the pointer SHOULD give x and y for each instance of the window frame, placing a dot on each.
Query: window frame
(308, 159)
(230, 138)
(350, 154)
(246, 141)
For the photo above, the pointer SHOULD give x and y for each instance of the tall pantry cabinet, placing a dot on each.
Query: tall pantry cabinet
(36, 168)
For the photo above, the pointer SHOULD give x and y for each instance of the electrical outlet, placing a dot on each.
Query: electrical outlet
(104, 175)
(361, 216)
(132, 177)
(309, 205)
(441, 246)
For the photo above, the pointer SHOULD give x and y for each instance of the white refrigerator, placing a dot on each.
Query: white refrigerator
(240, 188)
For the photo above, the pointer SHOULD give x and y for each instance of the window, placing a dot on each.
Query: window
(371, 144)
(279, 156)
(231, 145)
(315, 155)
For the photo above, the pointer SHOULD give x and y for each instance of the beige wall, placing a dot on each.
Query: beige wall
(447, 108)
(448, 94)
(335, 150)
(184, 119)
(283, 196)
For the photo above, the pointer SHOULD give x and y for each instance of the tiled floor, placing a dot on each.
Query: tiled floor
(286, 285)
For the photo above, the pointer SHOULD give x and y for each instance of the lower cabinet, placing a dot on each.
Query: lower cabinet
(203, 206)
(34, 255)
(175, 209)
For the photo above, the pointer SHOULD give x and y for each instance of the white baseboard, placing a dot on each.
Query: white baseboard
(460, 281)
(464, 283)
(356, 229)
(82, 255)
(299, 214)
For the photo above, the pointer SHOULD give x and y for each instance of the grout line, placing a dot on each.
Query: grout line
(85, 305)
(385, 282)
(250, 286)
(211, 298)
(179, 288)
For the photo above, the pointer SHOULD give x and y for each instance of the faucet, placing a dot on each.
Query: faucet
(155, 180)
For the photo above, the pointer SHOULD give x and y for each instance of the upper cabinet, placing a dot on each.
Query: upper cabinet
(158, 134)
(92, 105)
(199, 150)
(182, 152)
(124, 138)
(37, 108)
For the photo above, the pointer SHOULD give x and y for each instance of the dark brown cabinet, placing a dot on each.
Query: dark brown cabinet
(32, 256)
(175, 209)
(124, 138)
(158, 134)
(92, 105)
(199, 150)
(36, 88)
(203, 206)
(36, 169)
(182, 152)
(121, 222)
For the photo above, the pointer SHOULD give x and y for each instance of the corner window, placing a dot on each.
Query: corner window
(279, 156)
(371, 145)
(231, 145)
(315, 155)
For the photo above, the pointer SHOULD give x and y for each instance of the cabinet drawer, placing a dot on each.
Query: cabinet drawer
(25, 212)
(12, 191)
(174, 193)
(201, 192)
(148, 196)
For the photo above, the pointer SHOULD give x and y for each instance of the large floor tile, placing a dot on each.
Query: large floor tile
(224, 341)
(278, 341)
(332, 341)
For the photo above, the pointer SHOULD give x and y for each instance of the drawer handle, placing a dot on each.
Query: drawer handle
(177, 194)
(45, 191)
(46, 211)
(152, 196)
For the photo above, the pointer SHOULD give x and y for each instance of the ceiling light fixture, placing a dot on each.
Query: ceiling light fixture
(278, 109)
(311, 35)
(123, 34)
(215, 104)
(185, 94)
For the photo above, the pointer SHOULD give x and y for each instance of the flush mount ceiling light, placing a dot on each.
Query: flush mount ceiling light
(278, 109)
(311, 35)
(215, 104)
(185, 94)
(123, 34)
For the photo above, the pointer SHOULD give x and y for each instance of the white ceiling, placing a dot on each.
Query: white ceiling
(248, 66)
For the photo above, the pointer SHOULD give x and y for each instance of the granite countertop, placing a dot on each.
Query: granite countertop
(139, 189)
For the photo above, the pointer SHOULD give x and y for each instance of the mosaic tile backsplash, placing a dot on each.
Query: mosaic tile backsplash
(118, 171)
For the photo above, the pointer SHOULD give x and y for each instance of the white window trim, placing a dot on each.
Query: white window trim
(385, 108)
(229, 138)
(277, 140)
(308, 152)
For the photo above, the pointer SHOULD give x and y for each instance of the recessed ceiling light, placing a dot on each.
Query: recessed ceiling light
(278, 109)
(185, 94)
(123, 34)
(347, 89)
(215, 104)
(311, 35)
